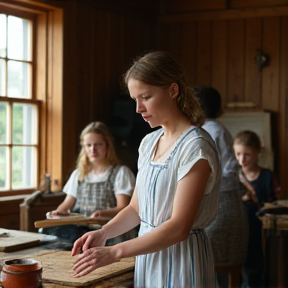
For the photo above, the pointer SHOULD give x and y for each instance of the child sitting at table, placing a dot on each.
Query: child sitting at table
(100, 185)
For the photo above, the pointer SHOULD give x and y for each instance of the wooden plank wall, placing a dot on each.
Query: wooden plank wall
(221, 53)
(216, 40)
(100, 42)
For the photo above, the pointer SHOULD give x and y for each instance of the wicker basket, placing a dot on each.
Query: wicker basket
(275, 217)
(282, 221)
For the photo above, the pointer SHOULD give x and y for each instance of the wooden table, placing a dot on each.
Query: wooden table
(57, 269)
(275, 244)
(57, 272)
(276, 257)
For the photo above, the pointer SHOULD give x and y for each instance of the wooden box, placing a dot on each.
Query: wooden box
(9, 211)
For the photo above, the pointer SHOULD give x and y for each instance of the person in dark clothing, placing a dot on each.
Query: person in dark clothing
(259, 184)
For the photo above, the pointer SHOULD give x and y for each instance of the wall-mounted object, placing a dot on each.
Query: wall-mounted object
(261, 59)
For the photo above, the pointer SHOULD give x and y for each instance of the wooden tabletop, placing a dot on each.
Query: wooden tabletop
(81, 220)
(57, 269)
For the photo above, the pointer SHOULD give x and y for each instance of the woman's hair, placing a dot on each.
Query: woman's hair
(248, 138)
(83, 163)
(159, 69)
(210, 100)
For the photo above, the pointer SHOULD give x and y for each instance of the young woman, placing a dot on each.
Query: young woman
(259, 183)
(177, 187)
(99, 186)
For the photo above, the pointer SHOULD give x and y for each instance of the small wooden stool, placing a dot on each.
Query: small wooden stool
(234, 271)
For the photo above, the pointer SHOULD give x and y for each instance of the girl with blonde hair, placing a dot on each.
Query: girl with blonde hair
(99, 186)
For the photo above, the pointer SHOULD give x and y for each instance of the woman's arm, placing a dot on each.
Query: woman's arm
(122, 202)
(124, 221)
(188, 197)
(65, 206)
(124, 184)
(70, 189)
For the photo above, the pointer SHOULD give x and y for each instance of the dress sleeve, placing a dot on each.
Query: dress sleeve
(143, 151)
(71, 186)
(194, 151)
(124, 181)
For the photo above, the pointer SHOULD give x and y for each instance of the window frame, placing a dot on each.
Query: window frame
(38, 104)
(47, 86)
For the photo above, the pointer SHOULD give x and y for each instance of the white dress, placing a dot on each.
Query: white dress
(188, 264)
(124, 181)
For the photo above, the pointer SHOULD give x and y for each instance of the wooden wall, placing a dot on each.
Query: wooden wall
(219, 47)
(100, 41)
(216, 40)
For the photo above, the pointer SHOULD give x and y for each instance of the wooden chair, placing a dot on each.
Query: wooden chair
(35, 207)
(234, 271)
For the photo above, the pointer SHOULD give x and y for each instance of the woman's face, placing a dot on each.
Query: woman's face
(246, 156)
(95, 147)
(153, 102)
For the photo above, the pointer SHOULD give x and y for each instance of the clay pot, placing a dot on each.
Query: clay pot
(21, 273)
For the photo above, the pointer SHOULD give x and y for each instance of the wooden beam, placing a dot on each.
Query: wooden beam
(55, 98)
(184, 5)
(256, 3)
(283, 105)
(29, 4)
(225, 14)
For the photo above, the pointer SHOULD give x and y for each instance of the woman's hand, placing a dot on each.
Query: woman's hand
(94, 258)
(96, 214)
(122, 202)
(90, 239)
(65, 206)
(54, 213)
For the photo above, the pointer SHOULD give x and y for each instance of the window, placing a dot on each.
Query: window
(19, 121)
(30, 95)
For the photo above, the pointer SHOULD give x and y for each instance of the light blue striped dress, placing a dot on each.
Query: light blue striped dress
(187, 264)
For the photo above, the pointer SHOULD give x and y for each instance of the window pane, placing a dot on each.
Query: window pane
(23, 167)
(24, 122)
(19, 38)
(4, 168)
(2, 77)
(19, 79)
(2, 35)
(3, 123)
